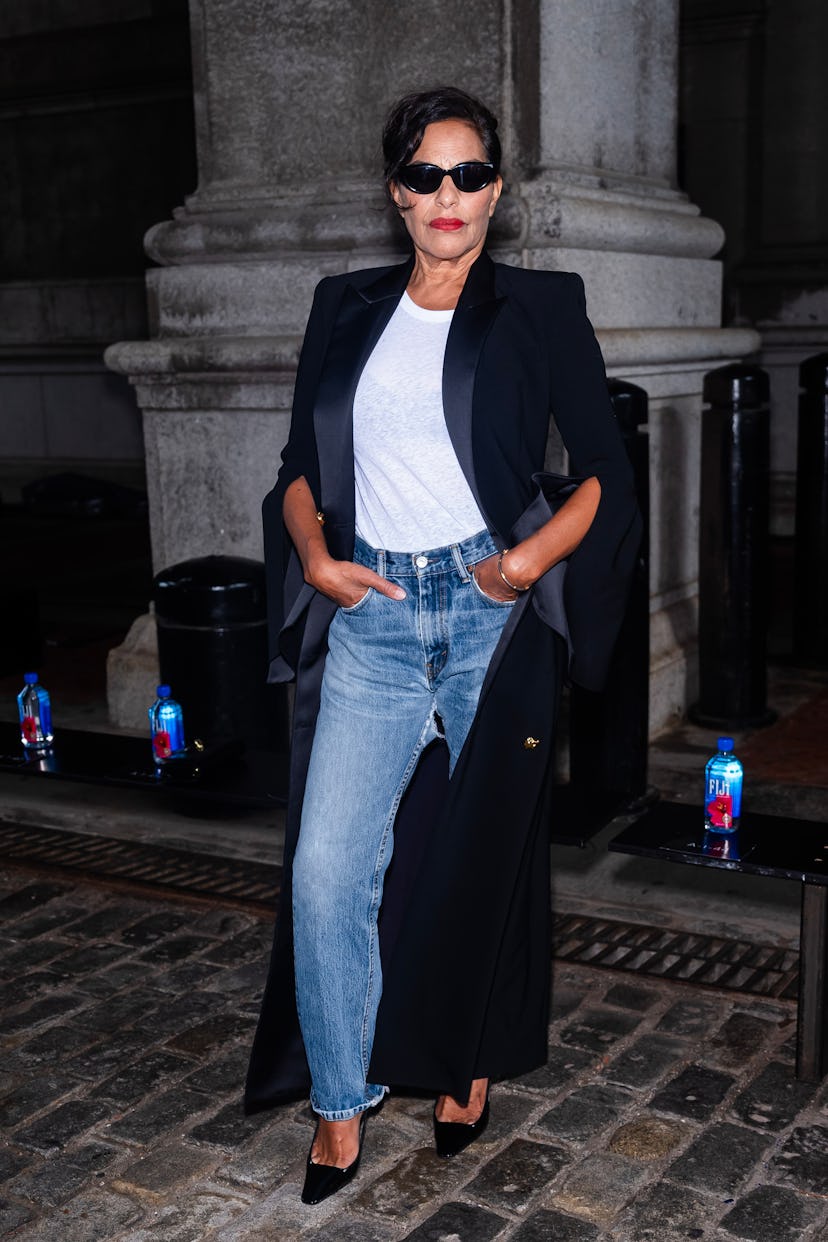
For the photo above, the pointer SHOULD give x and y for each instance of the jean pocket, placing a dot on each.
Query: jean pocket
(496, 603)
(359, 604)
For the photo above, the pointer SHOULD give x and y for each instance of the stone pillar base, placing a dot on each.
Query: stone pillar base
(132, 675)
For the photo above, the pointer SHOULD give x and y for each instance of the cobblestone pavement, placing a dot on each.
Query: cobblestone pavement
(665, 1111)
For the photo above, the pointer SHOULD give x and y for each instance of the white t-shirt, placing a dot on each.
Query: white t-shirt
(411, 494)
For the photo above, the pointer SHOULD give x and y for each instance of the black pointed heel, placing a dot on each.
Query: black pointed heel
(324, 1180)
(452, 1137)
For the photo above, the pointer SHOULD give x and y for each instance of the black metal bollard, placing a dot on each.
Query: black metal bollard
(811, 544)
(608, 732)
(212, 646)
(733, 550)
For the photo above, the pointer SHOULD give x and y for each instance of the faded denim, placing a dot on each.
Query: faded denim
(393, 668)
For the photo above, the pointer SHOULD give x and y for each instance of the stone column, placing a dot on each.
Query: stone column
(604, 202)
(289, 106)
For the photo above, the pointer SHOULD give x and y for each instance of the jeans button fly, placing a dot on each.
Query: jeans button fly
(421, 561)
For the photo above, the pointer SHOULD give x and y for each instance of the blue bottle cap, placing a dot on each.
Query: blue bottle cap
(163, 692)
(30, 679)
(725, 743)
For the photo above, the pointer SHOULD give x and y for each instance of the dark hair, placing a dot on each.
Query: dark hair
(409, 117)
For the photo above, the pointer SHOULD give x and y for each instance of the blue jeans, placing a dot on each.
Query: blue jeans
(392, 667)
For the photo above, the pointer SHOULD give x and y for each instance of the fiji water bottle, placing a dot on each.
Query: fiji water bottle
(35, 710)
(166, 726)
(723, 789)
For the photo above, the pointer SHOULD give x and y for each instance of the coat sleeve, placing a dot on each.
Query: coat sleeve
(287, 592)
(599, 572)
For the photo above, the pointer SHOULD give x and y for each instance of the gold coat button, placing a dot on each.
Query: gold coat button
(530, 743)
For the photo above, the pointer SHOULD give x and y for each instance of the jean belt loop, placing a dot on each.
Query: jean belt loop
(460, 564)
(381, 562)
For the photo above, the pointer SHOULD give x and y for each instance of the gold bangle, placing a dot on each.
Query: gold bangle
(518, 590)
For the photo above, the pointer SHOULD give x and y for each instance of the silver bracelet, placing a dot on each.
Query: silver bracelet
(518, 590)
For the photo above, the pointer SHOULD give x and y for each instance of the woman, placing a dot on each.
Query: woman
(416, 559)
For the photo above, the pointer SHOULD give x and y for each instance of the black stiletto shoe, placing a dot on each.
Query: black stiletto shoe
(452, 1137)
(324, 1180)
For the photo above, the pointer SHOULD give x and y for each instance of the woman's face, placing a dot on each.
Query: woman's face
(448, 224)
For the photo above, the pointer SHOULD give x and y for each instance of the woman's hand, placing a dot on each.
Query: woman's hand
(490, 582)
(345, 582)
(527, 561)
(342, 581)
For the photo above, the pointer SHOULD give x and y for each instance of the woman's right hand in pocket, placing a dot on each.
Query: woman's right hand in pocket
(346, 583)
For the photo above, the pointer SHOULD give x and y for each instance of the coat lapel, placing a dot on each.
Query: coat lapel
(476, 311)
(362, 317)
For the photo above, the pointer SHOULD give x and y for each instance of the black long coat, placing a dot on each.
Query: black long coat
(465, 921)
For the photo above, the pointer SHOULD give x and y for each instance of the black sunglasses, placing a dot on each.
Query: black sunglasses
(426, 178)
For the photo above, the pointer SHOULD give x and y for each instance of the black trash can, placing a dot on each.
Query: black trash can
(212, 647)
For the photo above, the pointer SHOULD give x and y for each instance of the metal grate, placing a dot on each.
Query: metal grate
(736, 965)
(230, 880)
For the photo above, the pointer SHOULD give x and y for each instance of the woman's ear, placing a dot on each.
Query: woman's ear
(497, 187)
(396, 197)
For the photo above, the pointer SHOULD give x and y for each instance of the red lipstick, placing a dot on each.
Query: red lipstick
(446, 224)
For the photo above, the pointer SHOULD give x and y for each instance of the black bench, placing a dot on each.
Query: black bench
(230, 775)
(770, 845)
(239, 776)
